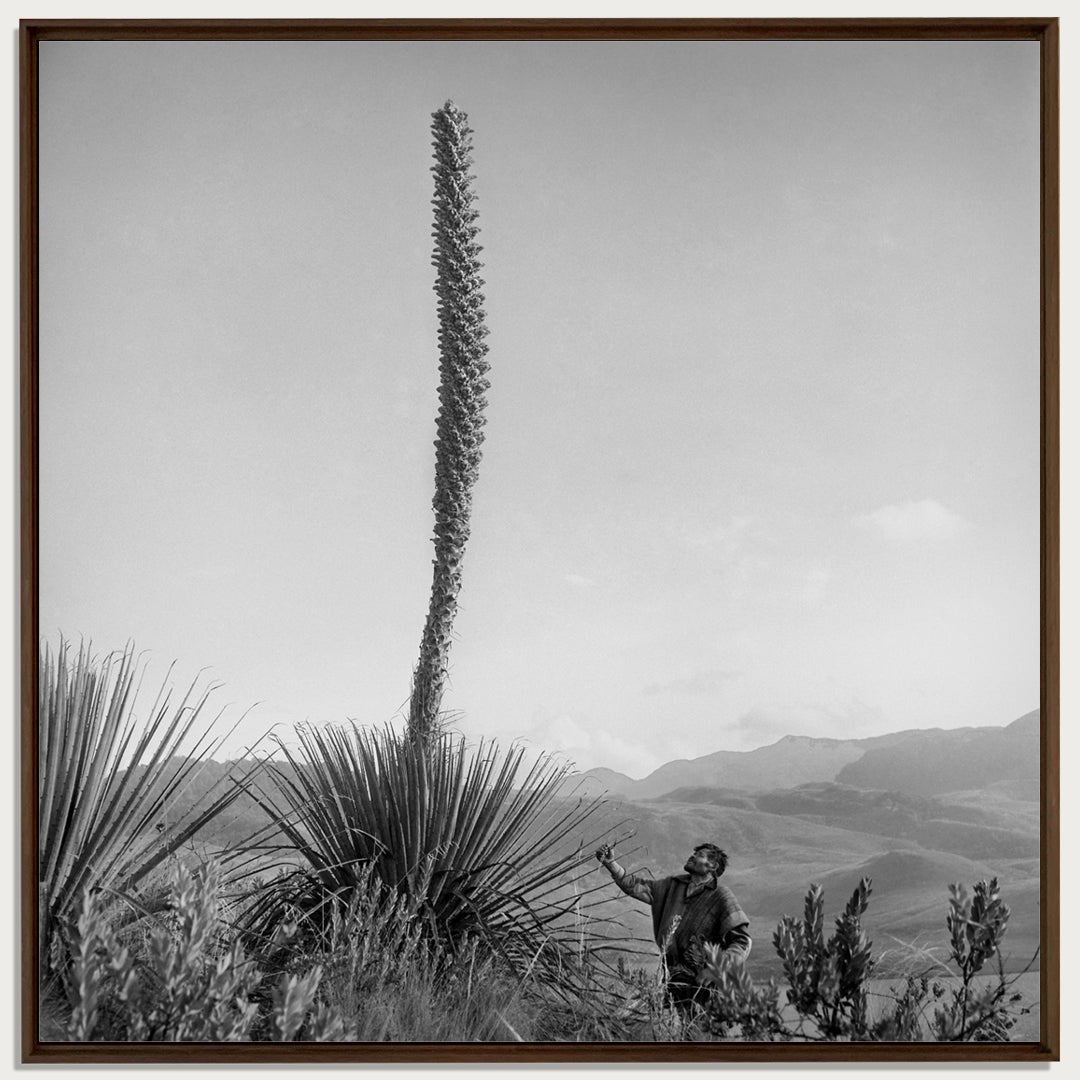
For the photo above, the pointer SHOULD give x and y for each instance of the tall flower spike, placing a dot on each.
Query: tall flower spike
(462, 382)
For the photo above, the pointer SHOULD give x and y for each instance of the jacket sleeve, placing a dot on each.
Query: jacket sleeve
(636, 885)
(737, 942)
(732, 931)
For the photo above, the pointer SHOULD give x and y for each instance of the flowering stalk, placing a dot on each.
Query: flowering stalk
(462, 382)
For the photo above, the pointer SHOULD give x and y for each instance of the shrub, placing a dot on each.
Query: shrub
(828, 980)
(375, 978)
(188, 983)
(740, 1009)
(976, 927)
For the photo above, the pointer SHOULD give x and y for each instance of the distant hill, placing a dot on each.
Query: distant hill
(207, 781)
(996, 828)
(793, 760)
(936, 761)
(916, 761)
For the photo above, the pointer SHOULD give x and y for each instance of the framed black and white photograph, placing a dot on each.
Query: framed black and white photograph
(539, 540)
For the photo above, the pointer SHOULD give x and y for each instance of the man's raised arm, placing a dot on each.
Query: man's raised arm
(640, 888)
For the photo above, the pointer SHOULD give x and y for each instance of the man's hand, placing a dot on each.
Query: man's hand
(695, 955)
(604, 854)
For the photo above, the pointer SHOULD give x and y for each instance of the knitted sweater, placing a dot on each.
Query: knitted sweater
(709, 915)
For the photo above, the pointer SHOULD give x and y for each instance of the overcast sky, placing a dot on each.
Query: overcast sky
(763, 439)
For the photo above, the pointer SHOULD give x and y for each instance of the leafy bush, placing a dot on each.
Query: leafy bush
(828, 980)
(738, 1008)
(188, 983)
(976, 926)
(376, 978)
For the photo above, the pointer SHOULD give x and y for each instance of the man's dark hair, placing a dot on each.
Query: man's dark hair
(718, 856)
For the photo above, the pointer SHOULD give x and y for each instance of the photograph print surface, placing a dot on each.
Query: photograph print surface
(539, 539)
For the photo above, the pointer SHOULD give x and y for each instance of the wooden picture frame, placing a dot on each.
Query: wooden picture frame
(1044, 31)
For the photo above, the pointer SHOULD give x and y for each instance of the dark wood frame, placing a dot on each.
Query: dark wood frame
(1043, 30)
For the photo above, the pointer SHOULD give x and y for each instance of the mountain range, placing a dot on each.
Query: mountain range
(922, 761)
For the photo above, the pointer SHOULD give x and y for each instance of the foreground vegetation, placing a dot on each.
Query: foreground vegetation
(374, 973)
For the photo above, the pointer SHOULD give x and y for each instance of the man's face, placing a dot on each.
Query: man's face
(701, 862)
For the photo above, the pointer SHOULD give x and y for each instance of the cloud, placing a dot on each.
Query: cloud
(814, 584)
(700, 683)
(849, 719)
(590, 746)
(913, 522)
(579, 581)
(761, 726)
(725, 538)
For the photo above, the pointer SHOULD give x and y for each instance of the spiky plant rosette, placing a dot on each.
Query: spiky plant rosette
(481, 843)
(109, 782)
(462, 384)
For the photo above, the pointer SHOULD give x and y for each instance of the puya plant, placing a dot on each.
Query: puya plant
(477, 842)
(462, 384)
(108, 780)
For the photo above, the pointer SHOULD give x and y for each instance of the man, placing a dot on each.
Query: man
(689, 911)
